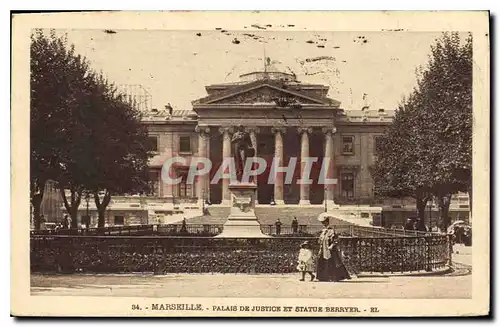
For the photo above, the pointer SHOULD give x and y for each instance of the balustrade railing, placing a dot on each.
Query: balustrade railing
(209, 230)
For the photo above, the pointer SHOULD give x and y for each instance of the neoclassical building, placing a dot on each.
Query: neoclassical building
(286, 118)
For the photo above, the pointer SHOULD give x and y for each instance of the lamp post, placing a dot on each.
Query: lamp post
(87, 199)
(203, 202)
(325, 200)
(430, 214)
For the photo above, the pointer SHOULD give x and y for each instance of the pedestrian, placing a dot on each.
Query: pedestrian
(409, 224)
(306, 261)
(278, 226)
(65, 222)
(415, 224)
(295, 225)
(184, 230)
(467, 236)
(329, 267)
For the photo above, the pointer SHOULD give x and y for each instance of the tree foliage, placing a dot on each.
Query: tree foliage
(58, 80)
(427, 151)
(84, 134)
(120, 150)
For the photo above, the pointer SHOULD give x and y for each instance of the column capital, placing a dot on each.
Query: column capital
(203, 130)
(307, 130)
(331, 130)
(254, 129)
(276, 130)
(225, 129)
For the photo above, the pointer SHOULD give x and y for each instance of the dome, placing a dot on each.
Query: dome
(253, 70)
(272, 70)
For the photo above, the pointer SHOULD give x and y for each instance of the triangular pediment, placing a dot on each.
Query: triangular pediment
(265, 93)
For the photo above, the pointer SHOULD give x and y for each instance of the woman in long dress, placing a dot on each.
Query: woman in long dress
(329, 267)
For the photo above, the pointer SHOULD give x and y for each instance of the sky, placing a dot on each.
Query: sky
(374, 68)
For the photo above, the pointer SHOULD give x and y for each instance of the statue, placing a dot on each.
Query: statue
(242, 221)
(242, 149)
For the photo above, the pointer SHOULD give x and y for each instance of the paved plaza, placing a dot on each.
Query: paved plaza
(233, 285)
(455, 285)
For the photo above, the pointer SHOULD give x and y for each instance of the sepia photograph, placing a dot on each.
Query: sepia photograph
(251, 164)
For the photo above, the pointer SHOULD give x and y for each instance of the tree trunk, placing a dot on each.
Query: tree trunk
(101, 207)
(444, 209)
(37, 202)
(422, 199)
(470, 202)
(37, 190)
(72, 208)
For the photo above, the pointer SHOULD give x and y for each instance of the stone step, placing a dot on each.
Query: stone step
(267, 215)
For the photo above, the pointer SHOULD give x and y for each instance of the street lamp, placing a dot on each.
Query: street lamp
(87, 198)
(326, 202)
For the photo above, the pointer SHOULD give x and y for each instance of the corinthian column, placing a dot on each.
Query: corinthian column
(226, 155)
(329, 132)
(304, 169)
(202, 181)
(278, 159)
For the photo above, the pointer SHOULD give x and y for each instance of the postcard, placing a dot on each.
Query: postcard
(251, 164)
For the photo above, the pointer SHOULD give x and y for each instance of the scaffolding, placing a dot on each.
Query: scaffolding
(137, 96)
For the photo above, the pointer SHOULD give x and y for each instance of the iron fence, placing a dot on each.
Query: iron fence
(178, 254)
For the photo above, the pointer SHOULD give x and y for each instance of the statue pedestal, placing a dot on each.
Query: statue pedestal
(242, 221)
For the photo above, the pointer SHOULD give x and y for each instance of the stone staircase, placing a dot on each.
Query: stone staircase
(217, 215)
(267, 215)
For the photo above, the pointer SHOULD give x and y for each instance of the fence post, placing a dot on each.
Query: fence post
(428, 258)
(450, 250)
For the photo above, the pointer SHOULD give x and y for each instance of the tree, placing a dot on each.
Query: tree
(84, 135)
(446, 102)
(401, 166)
(57, 80)
(120, 152)
(427, 151)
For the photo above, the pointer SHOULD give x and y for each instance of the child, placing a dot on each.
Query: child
(306, 262)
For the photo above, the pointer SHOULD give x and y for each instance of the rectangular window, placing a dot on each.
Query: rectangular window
(185, 144)
(348, 145)
(119, 220)
(377, 144)
(153, 143)
(184, 189)
(154, 183)
(347, 184)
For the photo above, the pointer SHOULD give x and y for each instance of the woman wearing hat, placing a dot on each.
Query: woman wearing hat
(329, 267)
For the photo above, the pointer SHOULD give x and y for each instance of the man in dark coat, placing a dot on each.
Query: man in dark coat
(295, 225)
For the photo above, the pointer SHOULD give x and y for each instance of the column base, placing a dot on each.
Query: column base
(226, 203)
(304, 202)
(330, 204)
(279, 202)
(242, 227)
